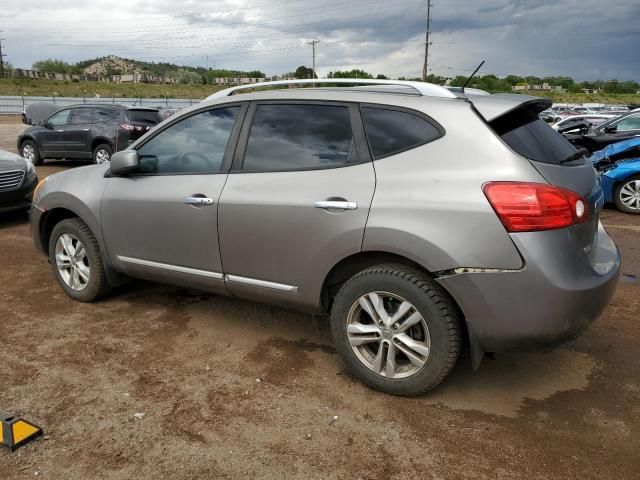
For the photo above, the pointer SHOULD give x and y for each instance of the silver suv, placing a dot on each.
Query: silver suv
(421, 220)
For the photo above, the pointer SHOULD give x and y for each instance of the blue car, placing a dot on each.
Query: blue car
(619, 167)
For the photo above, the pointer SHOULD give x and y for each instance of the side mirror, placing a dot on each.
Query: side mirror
(124, 162)
(610, 129)
(45, 124)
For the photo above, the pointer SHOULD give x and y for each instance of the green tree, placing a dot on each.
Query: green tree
(55, 66)
(304, 72)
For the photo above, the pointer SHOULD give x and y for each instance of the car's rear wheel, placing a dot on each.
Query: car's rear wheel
(29, 151)
(396, 329)
(627, 195)
(77, 264)
(102, 153)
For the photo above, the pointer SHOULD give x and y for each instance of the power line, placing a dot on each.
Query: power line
(426, 43)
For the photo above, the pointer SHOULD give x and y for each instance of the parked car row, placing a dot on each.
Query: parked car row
(84, 132)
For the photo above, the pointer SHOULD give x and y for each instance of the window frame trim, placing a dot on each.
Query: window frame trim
(441, 130)
(357, 130)
(229, 151)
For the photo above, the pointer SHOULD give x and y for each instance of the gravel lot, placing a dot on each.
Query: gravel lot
(230, 389)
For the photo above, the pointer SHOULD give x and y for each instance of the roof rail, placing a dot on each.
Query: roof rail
(422, 88)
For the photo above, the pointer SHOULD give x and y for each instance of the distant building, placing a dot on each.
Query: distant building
(592, 90)
(545, 87)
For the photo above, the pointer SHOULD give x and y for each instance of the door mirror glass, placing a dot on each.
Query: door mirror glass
(125, 162)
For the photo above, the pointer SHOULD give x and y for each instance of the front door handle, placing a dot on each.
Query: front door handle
(198, 201)
(336, 204)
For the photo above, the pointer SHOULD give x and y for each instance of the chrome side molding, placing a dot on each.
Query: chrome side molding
(172, 268)
(260, 283)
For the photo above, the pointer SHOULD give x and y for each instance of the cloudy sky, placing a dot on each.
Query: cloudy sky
(587, 39)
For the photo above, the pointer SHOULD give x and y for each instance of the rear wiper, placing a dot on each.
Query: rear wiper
(581, 152)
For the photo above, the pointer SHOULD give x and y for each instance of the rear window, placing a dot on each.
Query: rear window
(531, 137)
(394, 131)
(144, 116)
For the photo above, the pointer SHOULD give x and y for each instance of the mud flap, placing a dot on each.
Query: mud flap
(16, 432)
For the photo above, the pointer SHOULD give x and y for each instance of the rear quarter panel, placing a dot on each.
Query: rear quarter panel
(429, 205)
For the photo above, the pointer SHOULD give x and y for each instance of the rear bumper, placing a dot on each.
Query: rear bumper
(19, 199)
(552, 299)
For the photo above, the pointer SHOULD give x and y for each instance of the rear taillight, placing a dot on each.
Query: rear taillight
(527, 207)
(127, 127)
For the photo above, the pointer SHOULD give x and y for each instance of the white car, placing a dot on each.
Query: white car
(592, 119)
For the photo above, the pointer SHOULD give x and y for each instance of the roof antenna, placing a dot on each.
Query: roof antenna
(472, 75)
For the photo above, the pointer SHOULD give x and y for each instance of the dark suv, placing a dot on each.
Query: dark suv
(86, 132)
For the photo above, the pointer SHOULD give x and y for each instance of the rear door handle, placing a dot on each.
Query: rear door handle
(338, 205)
(198, 201)
(86, 130)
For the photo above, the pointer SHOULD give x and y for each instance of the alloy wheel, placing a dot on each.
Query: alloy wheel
(72, 262)
(630, 195)
(28, 153)
(388, 335)
(102, 156)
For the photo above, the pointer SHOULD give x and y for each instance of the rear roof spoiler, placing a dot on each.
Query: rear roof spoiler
(495, 106)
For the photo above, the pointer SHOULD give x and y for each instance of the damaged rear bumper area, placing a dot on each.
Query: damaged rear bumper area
(554, 297)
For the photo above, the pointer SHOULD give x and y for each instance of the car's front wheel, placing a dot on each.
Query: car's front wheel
(102, 153)
(396, 329)
(29, 151)
(627, 195)
(77, 264)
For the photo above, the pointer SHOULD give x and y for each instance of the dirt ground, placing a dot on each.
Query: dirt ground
(159, 382)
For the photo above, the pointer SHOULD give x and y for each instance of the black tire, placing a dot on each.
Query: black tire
(102, 147)
(37, 160)
(616, 195)
(432, 302)
(97, 286)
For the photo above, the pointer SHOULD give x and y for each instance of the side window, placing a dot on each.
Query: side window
(632, 122)
(299, 137)
(100, 115)
(394, 131)
(82, 116)
(60, 118)
(193, 145)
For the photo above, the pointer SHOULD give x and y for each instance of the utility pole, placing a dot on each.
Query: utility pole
(313, 44)
(2, 55)
(426, 43)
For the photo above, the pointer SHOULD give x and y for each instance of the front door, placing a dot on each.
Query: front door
(296, 200)
(51, 139)
(161, 223)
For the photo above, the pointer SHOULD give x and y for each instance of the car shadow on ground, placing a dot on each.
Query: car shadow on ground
(13, 219)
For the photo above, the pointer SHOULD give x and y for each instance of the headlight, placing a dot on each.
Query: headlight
(31, 170)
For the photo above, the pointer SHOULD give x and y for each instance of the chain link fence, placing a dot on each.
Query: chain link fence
(14, 105)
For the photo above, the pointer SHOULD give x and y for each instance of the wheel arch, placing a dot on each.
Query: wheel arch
(48, 222)
(352, 264)
(99, 141)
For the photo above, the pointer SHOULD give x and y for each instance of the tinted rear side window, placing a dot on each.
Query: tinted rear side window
(531, 137)
(394, 131)
(150, 117)
(299, 137)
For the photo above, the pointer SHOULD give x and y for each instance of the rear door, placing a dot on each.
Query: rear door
(161, 222)
(296, 200)
(78, 132)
